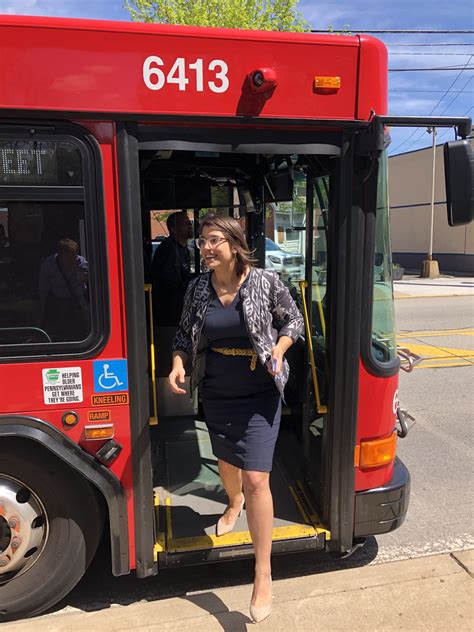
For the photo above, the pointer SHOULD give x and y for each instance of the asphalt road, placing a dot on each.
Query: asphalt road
(437, 452)
(438, 449)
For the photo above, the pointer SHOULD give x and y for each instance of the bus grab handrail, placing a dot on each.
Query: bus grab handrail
(319, 407)
(153, 421)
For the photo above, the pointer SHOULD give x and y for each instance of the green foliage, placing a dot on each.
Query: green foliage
(265, 15)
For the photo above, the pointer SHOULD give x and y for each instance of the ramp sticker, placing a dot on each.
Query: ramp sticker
(62, 386)
(99, 415)
(110, 375)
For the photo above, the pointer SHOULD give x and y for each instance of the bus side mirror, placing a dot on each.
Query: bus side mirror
(459, 175)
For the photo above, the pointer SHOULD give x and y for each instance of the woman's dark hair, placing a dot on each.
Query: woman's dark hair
(235, 235)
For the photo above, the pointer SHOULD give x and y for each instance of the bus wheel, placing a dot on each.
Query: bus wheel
(50, 525)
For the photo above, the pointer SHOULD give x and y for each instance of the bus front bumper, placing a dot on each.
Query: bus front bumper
(383, 509)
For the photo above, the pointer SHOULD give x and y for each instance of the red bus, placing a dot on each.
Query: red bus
(106, 128)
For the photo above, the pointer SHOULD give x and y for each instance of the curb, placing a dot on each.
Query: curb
(426, 593)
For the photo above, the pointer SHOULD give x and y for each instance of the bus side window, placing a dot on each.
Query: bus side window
(45, 280)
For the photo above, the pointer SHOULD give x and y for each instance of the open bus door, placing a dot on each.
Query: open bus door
(187, 488)
(312, 478)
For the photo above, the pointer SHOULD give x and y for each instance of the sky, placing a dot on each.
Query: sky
(421, 92)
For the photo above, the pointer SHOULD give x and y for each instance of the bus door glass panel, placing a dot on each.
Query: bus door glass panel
(285, 239)
(318, 315)
(285, 236)
(286, 253)
(44, 268)
(384, 348)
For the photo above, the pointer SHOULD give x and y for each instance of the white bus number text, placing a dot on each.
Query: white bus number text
(155, 78)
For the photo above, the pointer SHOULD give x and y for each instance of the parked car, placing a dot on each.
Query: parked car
(281, 261)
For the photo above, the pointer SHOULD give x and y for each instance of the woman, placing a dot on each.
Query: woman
(237, 323)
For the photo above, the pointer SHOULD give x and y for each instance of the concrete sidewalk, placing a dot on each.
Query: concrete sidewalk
(427, 593)
(412, 286)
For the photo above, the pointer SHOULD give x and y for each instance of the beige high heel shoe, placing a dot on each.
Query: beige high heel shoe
(258, 614)
(223, 528)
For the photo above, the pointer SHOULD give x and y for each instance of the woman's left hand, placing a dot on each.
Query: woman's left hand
(276, 363)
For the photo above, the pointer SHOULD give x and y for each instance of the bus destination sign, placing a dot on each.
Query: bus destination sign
(28, 163)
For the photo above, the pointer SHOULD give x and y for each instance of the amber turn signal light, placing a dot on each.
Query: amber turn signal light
(99, 431)
(376, 452)
(326, 85)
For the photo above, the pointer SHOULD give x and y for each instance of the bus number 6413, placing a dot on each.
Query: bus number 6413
(155, 78)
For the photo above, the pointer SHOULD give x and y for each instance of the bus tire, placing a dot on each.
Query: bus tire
(56, 517)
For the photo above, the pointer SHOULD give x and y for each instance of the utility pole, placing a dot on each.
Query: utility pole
(430, 267)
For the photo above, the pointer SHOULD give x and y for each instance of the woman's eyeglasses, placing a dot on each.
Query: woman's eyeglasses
(212, 241)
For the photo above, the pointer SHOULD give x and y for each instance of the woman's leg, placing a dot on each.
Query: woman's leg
(231, 477)
(259, 507)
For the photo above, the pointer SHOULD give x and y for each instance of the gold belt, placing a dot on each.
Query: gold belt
(239, 352)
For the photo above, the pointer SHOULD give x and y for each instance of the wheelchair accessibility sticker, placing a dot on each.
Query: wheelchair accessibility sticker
(110, 375)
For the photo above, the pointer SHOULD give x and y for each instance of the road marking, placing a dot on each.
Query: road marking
(435, 356)
(467, 331)
(433, 351)
(423, 365)
(400, 295)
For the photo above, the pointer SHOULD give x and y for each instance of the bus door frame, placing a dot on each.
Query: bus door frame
(346, 233)
(346, 236)
(137, 349)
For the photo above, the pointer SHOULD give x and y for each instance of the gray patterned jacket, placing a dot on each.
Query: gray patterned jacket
(269, 312)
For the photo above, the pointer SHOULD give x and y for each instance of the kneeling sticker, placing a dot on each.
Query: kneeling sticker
(62, 386)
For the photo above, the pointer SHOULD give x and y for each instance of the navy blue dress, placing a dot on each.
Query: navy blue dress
(242, 407)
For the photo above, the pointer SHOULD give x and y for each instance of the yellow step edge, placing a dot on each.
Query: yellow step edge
(201, 542)
(312, 528)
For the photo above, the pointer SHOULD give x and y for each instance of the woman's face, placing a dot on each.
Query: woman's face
(216, 249)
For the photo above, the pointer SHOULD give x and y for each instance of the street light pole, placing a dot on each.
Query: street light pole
(430, 253)
(430, 267)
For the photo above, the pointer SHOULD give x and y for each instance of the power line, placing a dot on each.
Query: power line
(439, 69)
(429, 44)
(435, 54)
(438, 103)
(455, 97)
(427, 91)
(399, 31)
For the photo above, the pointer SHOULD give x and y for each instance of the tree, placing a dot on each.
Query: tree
(265, 15)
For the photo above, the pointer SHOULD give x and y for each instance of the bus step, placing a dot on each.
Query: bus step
(190, 500)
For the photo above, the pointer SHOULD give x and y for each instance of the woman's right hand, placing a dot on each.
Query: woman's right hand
(177, 375)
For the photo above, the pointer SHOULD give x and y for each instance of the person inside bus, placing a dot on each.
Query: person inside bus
(63, 291)
(247, 320)
(7, 280)
(171, 269)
